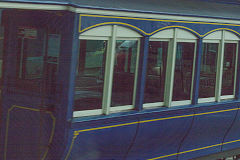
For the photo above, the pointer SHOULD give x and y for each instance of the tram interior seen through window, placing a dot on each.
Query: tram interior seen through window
(169, 74)
(124, 72)
(156, 72)
(229, 69)
(183, 71)
(37, 59)
(208, 70)
(90, 75)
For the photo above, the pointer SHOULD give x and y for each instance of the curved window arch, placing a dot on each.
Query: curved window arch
(107, 70)
(171, 60)
(218, 66)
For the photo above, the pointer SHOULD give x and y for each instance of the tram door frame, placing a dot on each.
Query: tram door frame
(41, 108)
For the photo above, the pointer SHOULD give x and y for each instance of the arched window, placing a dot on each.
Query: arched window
(107, 70)
(170, 68)
(218, 66)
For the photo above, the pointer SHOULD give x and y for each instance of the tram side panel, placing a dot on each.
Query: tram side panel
(232, 139)
(102, 139)
(160, 134)
(210, 125)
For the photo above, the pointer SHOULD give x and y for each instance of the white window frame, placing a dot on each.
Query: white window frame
(219, 71)
(170, 71)
(108, 77)
(128, 107)
(225, 97)
(212, 99)
(157, 104)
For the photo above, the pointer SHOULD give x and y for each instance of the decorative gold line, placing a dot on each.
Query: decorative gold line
(6, 134)
(126, 24)
(192, 150)
(31, 109)
(99, 128)
(71, 146)
(153, 120)
(158, 20)
(52, 134)
(105, 23)
(76, 133)
(176, 27)
(221, 29)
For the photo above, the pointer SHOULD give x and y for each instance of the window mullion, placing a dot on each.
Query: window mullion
(219, 69)
(235, 73)
(168, 90)
(136, 74)
(107, 92)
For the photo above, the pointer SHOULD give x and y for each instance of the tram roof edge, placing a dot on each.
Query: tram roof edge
(198, 8)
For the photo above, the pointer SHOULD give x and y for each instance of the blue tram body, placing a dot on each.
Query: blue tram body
(104, 80)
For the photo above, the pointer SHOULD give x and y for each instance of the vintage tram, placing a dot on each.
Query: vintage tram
(116, 80)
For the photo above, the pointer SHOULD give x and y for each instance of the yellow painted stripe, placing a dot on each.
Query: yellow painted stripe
(112, 23)
(71, 146)
(31, 109)
(154, 120)
(126, 24)
(197, 149)
(105, 127)
(76, 133)
(158, 20)
(168, 27)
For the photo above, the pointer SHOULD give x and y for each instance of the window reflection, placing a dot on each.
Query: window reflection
(183, 71)
(156, 70)
(90, 75)
(30, 56)
(124, 72)
(228, 68)
(208, 70)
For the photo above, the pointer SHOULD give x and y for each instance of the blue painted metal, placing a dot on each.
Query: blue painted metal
(208, 130)
(66, 79)
(197, 72)
(142, 68)
(142, 25)
(233, 135)
(106, 143)
(161, 137)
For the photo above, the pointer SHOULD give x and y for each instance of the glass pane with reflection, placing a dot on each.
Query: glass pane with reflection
(124, 72)
(90, 75)
(228, 68)
(183, 71)
(208, 70)
(156, 71)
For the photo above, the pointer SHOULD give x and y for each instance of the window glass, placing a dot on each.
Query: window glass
(124, 72)
(90, 75)
(208, 70)
(33, 58)
(53, 50)
(228, 68)
(156, 70)
(183, 71)
(30, 56)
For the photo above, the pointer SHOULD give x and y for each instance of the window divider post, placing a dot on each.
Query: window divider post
(142, 68)
(196, 81)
